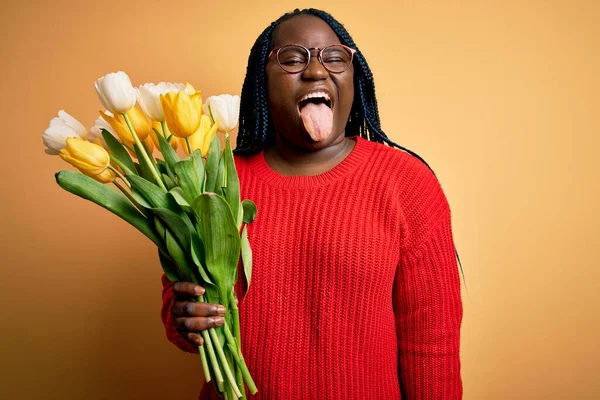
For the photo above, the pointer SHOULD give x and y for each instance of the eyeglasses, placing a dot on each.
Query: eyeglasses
(294, 58)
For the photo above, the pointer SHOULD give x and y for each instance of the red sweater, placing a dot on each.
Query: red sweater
(355, 293)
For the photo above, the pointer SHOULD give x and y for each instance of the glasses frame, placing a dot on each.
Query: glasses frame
(319, 57)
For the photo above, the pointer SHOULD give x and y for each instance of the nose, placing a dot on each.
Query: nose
(315, 70)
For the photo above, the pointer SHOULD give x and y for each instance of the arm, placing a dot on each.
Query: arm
(428, 307)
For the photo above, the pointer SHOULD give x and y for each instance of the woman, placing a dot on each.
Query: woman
(355, 291)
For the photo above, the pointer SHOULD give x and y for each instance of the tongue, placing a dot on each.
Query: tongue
(318, 120)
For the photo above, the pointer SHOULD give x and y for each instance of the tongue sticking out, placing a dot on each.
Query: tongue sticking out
(318, 120)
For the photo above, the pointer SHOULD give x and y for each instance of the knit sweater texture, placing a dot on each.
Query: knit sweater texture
(355, 292)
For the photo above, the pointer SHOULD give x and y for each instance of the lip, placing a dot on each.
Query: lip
(316, 90)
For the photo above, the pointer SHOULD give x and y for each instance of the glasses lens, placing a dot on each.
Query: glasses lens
(293, 58)
(336, 58)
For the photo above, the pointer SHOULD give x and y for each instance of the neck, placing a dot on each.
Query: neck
(289, 159)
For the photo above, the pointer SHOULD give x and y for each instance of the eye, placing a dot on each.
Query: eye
(293, 61)
(333, 60)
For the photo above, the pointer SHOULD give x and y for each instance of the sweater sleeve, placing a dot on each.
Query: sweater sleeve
(167, 318)
(427, 300)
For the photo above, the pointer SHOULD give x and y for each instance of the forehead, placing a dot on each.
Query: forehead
(307, 30)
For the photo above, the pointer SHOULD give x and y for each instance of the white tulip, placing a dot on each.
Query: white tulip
(224, 108)
(116, 92)
(148, 97)
(96, 130)
(60, 128)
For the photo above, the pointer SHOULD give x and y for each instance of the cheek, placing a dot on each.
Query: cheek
(346, 95)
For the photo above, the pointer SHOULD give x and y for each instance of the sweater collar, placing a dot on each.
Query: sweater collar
(359, 155)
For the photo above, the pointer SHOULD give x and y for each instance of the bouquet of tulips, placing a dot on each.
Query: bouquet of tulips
(189, 207)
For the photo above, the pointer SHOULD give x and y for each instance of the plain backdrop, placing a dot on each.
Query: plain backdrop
(500, 97)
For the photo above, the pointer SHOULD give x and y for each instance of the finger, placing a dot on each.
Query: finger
(195, 339)
(187, 289)
(197, 309)
(197, 324)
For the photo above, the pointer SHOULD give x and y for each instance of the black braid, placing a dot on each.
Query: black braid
(255, 128)
(256, 131)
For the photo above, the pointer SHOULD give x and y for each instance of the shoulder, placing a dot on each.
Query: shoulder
(417, 192)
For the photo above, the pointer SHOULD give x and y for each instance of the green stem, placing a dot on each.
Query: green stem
(121, 165)
(204, 362)
(189, 146)
(120, 175)
(163, 125)
(144, 154)
(223, 360)
(239, 359)
(132, 200)
(225, 169)
(213, 359)
(236, 329)
(152, 159)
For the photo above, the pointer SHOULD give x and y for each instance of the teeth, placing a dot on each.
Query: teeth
(316, 95)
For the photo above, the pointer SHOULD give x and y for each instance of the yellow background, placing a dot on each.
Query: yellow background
(501, 98)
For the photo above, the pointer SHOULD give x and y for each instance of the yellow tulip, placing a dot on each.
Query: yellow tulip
(182, 112)
(138, 121)
(202, 137)
(89, 158)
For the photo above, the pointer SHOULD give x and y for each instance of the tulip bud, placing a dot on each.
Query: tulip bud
(148, 97)
(60, 128)
(138, 121)
(182, 112)
(224, 108)
(89, 158)
(116, 92)
(203, 136)
(95, 132)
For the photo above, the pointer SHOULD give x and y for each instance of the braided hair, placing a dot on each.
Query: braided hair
(255, 128)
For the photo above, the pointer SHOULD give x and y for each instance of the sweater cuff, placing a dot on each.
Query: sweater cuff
(168, 320)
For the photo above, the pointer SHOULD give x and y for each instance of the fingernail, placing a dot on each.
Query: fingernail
(221, 310)
(219, 321)
(199, 290)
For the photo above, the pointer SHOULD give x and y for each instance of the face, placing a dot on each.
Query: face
(286, 90)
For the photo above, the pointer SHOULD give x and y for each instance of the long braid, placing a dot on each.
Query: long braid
(256, 131)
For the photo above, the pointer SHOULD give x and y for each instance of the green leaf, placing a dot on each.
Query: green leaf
(212, 164)
(168, 266)
(162, 166)
(154, 195)
(249, 211)
(246, 255)
(118, 152)
(143, 168)
(169, 183)
(199, 257)
(150, 156)
(220, 177)
(89, 189)
(232, 190)
(187, 177)
(219, 234)
(177, 194)
(184, 269)
(170, 155)
(199, 164)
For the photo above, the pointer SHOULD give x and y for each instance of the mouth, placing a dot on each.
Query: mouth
(315, 98)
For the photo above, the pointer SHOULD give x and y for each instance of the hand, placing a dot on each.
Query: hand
(192, 317)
